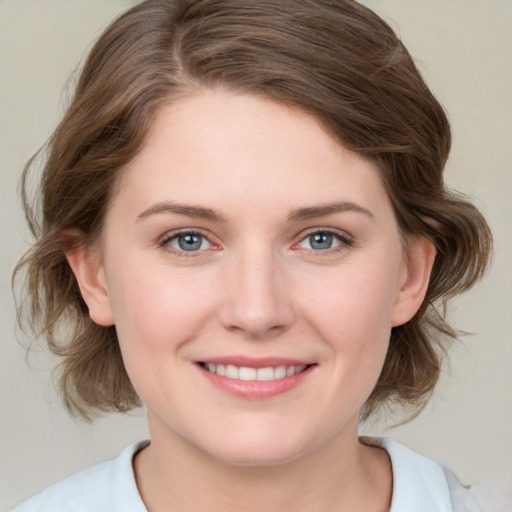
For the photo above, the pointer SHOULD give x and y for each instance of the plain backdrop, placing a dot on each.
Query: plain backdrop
(464, 49)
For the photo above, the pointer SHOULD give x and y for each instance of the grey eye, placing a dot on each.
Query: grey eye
(189, 242)
(321, 241)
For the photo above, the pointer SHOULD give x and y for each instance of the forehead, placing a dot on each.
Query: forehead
(217, 146)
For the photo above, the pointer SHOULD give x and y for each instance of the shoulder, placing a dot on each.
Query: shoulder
(86, 490)
(462, 499)
(109, 487)
(421, 484)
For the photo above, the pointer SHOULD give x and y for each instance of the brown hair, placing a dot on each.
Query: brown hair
(336, 60)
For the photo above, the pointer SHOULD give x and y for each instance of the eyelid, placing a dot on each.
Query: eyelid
(164, 240)
(345, 238)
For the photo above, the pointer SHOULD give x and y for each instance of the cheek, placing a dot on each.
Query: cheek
(156, 316)
(156, 311)
(353, 316)
(350, 302)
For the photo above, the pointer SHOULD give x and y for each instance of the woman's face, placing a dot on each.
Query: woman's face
(243, 241)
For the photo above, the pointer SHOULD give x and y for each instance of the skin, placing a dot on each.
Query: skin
(256, 287)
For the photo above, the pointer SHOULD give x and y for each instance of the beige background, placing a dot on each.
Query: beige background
(464, 48)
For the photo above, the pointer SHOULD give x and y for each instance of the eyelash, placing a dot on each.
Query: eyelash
(344, 239)
(164, 242)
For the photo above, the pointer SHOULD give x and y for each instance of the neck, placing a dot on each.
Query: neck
(343, 474)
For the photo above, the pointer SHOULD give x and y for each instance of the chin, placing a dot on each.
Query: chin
(257, 458)
(258, 450)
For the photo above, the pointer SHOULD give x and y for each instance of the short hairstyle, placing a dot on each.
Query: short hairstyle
(336, 60)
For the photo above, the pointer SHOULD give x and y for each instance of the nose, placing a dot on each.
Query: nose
(257, 302)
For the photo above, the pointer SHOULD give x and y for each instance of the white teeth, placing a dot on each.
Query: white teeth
(300, 368)
(232, 371)
(245, 373)
(265, 374)
(280, 372)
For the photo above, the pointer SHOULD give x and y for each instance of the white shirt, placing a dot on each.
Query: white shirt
(419, 485)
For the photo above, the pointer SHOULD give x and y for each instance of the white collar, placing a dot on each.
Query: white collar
(125, 495)
(419, 484)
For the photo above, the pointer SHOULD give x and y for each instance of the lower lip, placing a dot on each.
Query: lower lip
(256, 389)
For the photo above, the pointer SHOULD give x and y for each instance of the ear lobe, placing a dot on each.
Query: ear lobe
(414, 284)
(87, 266)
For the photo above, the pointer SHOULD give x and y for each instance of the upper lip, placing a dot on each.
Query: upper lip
(255, 362)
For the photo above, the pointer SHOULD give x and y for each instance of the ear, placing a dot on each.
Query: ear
(86, 264)
(414, 280)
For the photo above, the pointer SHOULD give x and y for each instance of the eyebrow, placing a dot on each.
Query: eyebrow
(196, 212)
(299, 214)
(327, 209)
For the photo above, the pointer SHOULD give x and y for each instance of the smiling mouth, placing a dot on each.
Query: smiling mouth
(246, 373)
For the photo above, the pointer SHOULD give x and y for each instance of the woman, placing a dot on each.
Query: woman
(244, 219)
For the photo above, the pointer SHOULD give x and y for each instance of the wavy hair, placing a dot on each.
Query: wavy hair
(336, 60)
